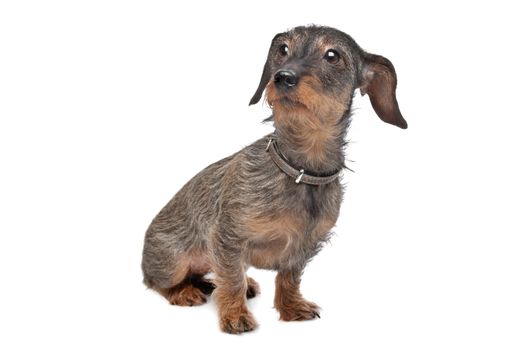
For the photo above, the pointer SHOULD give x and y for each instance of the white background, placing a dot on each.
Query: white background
(108, 107)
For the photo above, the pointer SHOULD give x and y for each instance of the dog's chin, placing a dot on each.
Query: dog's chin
(286, 102)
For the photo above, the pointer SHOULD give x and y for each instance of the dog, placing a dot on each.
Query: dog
(271, 205)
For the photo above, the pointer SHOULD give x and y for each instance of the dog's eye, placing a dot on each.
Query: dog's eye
(332, 56)
(283, 50)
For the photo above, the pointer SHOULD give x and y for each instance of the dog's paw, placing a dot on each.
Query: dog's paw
(299, 310)
(253, 288)
(238, 323)
(186, 295)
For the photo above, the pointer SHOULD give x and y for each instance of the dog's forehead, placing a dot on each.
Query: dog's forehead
(311, 37)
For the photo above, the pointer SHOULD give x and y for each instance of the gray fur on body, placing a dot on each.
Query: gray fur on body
(254, 186)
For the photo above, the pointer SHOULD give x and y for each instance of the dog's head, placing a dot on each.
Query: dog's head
(318, 68)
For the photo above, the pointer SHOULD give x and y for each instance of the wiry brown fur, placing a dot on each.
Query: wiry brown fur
(244, 211)
(311, 139)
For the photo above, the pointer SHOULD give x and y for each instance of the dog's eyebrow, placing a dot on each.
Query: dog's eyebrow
(277, 37)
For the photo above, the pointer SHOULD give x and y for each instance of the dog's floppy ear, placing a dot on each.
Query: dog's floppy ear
(266, 74)
(379, 81)
(265, 78)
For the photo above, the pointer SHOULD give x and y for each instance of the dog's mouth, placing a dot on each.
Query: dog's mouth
(286, 102)
(289, 100)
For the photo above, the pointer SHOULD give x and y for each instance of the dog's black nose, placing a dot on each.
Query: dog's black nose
(285, 78)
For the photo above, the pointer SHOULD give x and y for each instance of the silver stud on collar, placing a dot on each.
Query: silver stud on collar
(268, 145)
(298, 179)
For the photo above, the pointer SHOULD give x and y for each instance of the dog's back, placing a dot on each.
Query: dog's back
(183, 226)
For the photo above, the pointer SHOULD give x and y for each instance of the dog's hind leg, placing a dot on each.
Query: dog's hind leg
(178, 276)
(183, 294)
(187, 286)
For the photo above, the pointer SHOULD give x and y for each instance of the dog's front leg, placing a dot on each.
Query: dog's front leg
(288, 299)
(232, 284)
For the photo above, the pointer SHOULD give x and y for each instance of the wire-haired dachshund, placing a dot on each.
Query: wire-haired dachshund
(271, 205)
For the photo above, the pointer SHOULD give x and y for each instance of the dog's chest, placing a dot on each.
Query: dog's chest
(291, 234)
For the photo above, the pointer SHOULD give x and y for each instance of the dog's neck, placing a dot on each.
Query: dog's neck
(311, 142)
